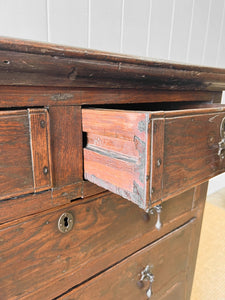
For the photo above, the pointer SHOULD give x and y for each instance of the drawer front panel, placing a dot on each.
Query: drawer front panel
(147, 157)
(105, 230)
(191, 150)
(24, 147)
(168, 267)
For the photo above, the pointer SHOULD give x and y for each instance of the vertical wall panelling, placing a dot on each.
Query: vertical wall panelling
(122, 26)
(220, 57)
(198, 31)
(149, 28)
(47, 20)
(171, 29)
(135, 26)
(213, 33)
(24, 19)
(190, 30)
(89, 23)
(106, 25)
(160, 27)
(216, 184)
(181, 30)
(68, 22)
(206, 31)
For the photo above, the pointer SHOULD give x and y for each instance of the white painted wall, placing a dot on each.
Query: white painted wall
(191, 31)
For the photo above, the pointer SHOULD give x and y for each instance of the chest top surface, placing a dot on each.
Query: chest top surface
(27, 63)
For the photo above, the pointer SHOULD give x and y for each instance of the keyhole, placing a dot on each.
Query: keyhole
(66, 224)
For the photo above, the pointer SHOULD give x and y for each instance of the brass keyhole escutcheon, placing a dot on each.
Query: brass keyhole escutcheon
(65, 222)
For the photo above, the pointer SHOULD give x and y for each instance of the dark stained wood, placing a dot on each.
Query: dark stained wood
(40, 149)
(24, 153)
(51, 96)
(26, 46)
(90, 189)
(49, 262)
(38, 64)
(64, 194)
(128, 150)
(50, 83)
(19, 207)
(189, 155)
(156, 158)
(16, 166)
(120, 282)
(66, 145)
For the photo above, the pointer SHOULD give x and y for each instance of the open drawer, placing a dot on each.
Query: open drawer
(148, 156)
(24, 152)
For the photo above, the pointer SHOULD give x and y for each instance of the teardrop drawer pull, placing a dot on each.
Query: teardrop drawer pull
(146, 275)
(221, 151)
(158, 210)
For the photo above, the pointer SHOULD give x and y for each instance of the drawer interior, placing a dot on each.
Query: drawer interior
(158, 106)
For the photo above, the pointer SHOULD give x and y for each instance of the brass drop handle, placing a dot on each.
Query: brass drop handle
(146, 275)
(158, 210)
(221, 151)
(158, 224)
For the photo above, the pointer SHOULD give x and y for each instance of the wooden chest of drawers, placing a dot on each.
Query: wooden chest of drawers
(104, 162)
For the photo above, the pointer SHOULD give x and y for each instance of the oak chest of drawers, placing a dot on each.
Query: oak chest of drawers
(104, 163)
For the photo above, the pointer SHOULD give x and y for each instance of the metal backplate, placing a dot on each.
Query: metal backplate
(65, 223)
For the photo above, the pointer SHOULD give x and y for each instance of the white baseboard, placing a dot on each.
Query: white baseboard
(216, 183)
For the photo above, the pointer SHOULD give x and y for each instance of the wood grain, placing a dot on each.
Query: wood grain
(28, 204)
(24, 153)
(156, 158)
(49, 262)
(39, 64)
(39, 262)
(51, 96)
(40, 149)
(65, 194)
(191, 150)
(16, 166)
(90, 189)
(19, 207)
(116, 150)
(66, 144)
(175, 149)
(120, 282)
